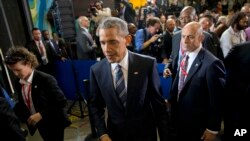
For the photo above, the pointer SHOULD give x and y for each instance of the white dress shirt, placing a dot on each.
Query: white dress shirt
(26, 92)
(192, 55)
(229, 38)
(124, 67)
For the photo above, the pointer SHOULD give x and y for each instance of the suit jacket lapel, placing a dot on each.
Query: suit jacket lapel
(88, 36)
(35, 85)
(196, 65)
(131, 79)
(35, 48)
(108, 80)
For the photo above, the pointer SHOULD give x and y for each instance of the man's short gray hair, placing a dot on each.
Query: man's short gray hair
(113, 22)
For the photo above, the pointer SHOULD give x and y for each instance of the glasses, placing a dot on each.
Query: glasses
(185, 18)
(14, 59)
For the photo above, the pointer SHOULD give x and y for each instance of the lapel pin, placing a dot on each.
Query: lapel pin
(196, 65)
(35, 86)
(136, 73)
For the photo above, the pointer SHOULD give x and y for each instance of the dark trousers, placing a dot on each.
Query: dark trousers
(52, 133)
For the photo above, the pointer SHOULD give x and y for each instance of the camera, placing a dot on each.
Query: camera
(159, 40)
(93, 10)
(160, 35)
(147, 10)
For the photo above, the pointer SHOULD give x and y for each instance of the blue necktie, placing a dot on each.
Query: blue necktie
(54, 48)
(120, 88)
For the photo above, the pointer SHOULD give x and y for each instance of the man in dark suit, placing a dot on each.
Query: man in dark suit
(197, 89)
(57, 53)
(40, 100)
(136, 112)
(188, 14)
(127, 13)
(206, 22)
(167, 39)
(237, 93)
(43, 53)
(62, 45)
(84, 41)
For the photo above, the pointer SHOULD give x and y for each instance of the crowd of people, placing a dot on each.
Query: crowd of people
(204, 49)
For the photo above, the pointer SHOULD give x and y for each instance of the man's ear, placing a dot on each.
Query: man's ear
(128, 39)
(202, 37)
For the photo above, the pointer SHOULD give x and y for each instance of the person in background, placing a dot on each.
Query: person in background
(85, 45)
(41, 50)
(206, 22)
(196, 94)
(127, 13)
(155, 8)
(167, 39)
(61, 44)
(246, 9)
(57, 51)
(163, 20)
(41, 102)
(132, 31)
(187, 15)
(220, 26)
(98, 12)
(235, 33)
(128, 85)
(146, 40)
(144, 14)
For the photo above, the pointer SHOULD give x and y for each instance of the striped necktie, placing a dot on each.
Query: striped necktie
(183, 72)
(120, 88)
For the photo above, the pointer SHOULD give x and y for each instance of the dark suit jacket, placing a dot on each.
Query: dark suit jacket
(174, 57)
(217, 48)
(129, 13)
(145, 109)
(237, 95)
(48, 100)
(10, 127)
(55, 48)
(84, 45)
(32, 47)
(199, 105)
(63, 47)
(167, 45)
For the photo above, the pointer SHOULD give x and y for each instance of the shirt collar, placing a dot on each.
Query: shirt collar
(194, 53)
(85, 29)
(29, 80)
(37, 42)
(233, 32)
(123, 63)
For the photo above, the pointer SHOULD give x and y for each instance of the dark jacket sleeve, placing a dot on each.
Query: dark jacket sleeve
(159, 104)
(10, 127)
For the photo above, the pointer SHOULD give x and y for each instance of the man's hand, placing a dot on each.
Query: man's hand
(105, 137)
(63, 59)
(34, 119)
(166, 73)
(208, 136)
(154, 38)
